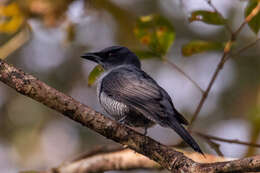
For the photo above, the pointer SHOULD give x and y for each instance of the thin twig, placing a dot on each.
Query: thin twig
(216, 11)
(221, 63)
(232, 141)
(184, 74)
(14, 43)
(215, 146)
(239, 51)
(205, 94)
(253, 13)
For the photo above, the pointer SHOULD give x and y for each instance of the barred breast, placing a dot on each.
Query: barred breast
(113, 107)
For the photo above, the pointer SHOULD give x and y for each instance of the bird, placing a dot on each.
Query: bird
(132, 97)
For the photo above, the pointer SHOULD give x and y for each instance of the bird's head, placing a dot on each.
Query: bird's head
(113, 56)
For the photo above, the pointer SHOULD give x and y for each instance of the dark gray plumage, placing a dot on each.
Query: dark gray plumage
(131, 96)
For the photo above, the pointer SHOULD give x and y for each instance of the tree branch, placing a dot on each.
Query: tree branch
(125, 159)
(37, 90)
(184, 74)
(224, 58)
(239, 51)
(213, 79)
(120, 159)
(232, 141)
(216, 11)
(253, 13)
(167, 157)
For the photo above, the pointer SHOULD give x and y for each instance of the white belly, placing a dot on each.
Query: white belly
(112, 107)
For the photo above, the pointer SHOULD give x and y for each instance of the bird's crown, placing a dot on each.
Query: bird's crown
(113, 56)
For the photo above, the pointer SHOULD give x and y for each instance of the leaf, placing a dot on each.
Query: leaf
(11, 18)
(70, 33)
(199, 46)
(254, 117)
(254, 23)
(29, 172)
(94, 74)
(215, 146)
(143, 54)
(156, 33)
(207, 17)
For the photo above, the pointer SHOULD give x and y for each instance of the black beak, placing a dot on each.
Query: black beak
(92, 56)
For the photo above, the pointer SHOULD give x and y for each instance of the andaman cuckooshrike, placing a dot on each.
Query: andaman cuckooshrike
(132, 97)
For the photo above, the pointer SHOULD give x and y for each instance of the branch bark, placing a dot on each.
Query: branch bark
(39, 91)
(120, 159)
(167, 157)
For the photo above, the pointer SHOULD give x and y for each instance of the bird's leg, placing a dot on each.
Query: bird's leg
(122, 120)
(145, 131)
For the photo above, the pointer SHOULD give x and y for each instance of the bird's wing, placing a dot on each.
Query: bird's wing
(141, 93)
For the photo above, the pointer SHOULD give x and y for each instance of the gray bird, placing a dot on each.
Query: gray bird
(132, 97)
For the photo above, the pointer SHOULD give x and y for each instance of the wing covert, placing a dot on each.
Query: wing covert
(141, 93)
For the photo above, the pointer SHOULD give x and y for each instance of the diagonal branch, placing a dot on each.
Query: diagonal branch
(184, 74)
(232, 141)
(167, 157)
(39, 91)
(125, 159)
(213, 79)
(253, 13)
(120, 159)
(224, 58)
(243, 49)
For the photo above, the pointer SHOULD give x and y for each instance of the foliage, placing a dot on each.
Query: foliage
(254, 24)
(94, 74)
(155, 32)
(207, 17)
(11, 18)
(199, 46)
(149, 36)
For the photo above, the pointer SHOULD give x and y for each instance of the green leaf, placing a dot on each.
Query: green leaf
(255, 116)
(94, 74)
(156, 33)
(144, 54)
(208, 17)
(199, 46)
(254, 24)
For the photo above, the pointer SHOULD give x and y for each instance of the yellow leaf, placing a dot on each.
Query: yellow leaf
(10, 10)
(94, 74)
(155, 32)
(11, 18)
(146, 18)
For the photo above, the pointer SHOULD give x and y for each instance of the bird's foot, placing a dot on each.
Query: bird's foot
(122, 120)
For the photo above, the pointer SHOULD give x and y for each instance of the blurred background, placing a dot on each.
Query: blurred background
(46, 38)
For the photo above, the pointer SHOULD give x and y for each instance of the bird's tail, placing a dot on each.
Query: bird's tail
(184, 134)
